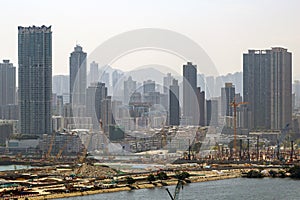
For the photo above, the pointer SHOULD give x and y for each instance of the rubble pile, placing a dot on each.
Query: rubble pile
(88, 170)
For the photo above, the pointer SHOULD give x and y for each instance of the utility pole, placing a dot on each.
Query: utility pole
(292, 150)
(248, 149)
(189, 155)
(278, 150)
(241, 146)
(257, 148)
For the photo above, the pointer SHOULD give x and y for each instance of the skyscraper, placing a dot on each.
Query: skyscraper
(60, 84)
(104, 78)
(94, 73)
(167, 81)
(227, 97)
(174, 109)
(201, 80)
(129, 89)
(106, 113)
(297, 93)
(116, 76)
(201, 106)
(7, 83)
(148, 86)
(77, 76)
(210, 86)
(190, 100)
(95, 93)
(211, 112)
(267, 86)
(35, 79)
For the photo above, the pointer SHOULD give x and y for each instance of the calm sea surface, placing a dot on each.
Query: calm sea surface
(239, 188)
(13, 167)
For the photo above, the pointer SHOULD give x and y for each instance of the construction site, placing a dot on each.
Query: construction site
(80, 161)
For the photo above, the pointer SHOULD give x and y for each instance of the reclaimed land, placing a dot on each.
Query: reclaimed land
(195, 177)
(88, 179)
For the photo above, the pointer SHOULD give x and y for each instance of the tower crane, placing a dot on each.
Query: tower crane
(104, 138)
(64, 147)
(163, 136)
(82, 158)
(280, 139)
(85, 149)
(235, 104)
(50, 146)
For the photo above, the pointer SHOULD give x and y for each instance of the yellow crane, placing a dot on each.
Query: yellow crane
(50, 146)
(82, 158)
(234, 104)
(104, 139)
(85, 149)
(63, 148)
(163, 136)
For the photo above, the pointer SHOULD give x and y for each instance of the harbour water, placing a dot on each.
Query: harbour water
(231, 189)
(13, 167)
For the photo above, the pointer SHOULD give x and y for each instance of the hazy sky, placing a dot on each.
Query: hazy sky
(224, 29)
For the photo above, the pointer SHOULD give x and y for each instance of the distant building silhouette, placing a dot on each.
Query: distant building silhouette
(116, 77)
(227, 97)
(106, 113)
(61, 84)
(297, 93)
(148, 86)
(174, 108)
(210, 87)
(211, 113)
(95, 93)
(167, 81)
(94, 73)
(129, 89)
(7, 83)
(201, 106)
(104, 78)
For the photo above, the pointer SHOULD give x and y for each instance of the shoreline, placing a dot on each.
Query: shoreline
(195, 178)
(49, 186)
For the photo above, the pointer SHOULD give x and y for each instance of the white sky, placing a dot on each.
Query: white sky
(224, 29)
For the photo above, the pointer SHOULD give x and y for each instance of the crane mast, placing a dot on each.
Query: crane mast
(235, 104)
(50, 146)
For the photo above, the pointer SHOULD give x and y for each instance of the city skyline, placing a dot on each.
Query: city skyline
(106, 96)
(239, 34)
(35, 56)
